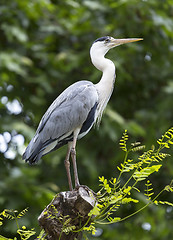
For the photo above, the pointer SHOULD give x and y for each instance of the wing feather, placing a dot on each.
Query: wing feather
(69, 111)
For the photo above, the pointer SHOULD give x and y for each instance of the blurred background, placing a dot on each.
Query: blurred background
(44, 47)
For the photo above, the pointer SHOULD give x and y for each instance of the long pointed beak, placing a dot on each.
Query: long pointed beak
(117, 42)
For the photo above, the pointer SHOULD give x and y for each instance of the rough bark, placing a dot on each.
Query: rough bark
(67, 213)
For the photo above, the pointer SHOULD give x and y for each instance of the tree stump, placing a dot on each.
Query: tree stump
(67, 213)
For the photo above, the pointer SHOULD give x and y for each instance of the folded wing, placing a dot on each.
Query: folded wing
(73, 108)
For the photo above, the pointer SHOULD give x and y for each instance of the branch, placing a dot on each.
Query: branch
(66, 215)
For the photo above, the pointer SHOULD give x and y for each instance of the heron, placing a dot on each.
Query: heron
(74, 112)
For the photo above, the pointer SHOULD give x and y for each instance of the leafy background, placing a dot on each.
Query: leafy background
(44, 47)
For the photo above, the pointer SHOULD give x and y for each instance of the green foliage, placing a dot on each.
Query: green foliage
(15, 215)
(25, 234)
(114, 194)
(64, 221)
(123, 141)
(45, 48)
(149, 190)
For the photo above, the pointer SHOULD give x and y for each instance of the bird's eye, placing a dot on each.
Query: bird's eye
(107, 40)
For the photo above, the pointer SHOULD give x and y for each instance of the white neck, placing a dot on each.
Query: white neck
(105, 85)
(108, 69)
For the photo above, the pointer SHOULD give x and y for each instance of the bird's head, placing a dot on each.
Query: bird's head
(102, 45)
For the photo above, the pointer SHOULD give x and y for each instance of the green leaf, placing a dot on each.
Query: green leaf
(127, 200)
(166, 202)
(127, 190)
(145, 172)
(115, 199)
(95, 211)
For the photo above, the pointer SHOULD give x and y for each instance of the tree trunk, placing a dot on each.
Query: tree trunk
(67, 214)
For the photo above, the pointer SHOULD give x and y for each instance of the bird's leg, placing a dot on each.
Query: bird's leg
(73, 156)
(67, 166)
(76, 178)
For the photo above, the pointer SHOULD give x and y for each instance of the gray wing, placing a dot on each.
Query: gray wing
(69, 111)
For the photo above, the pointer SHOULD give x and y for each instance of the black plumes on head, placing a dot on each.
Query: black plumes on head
(102, 39)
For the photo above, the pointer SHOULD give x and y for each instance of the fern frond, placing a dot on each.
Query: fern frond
(128, 200)
(25, 234)
(68, 229)
(91, 229)
(123, 141)
(8, 214)
(166, 202)
(138, 148)
(169, 188)
(160, 156)
(22, 213)
(145, 172)
(135, 144)
(166, 139)
(149, 190)
(149, 162)
(115, 207)
(55, 211)
(145, 157)
(113, 220)
(105, 184)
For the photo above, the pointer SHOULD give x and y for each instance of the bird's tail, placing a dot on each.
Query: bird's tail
(33, 152)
